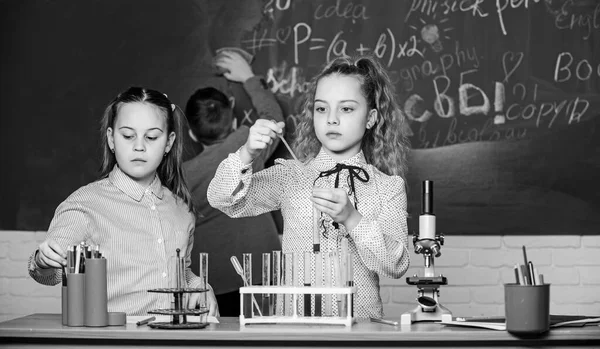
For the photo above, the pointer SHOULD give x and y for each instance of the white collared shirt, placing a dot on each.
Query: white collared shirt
(138, 231)
(379, 241)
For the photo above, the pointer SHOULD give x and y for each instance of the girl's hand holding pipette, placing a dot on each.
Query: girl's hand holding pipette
(51, 255)
(261, 135)
(335, 203)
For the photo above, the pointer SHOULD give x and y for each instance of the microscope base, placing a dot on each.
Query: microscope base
(416, 315)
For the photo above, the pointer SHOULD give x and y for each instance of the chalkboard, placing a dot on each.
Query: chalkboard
(503, 96)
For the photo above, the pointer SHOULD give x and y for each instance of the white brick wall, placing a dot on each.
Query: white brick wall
(476, 268)
(19, 294)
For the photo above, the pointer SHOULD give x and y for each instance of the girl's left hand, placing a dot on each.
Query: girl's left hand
(335, 203)
(211, 300)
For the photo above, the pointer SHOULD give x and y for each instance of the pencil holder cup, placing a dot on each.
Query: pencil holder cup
(63, 299)
(75, 299)
(527, 308)
(96, 299)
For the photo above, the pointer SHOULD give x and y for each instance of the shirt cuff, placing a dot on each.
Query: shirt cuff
(360, 233)
(35, 268)
(256, 83)
(245, 169)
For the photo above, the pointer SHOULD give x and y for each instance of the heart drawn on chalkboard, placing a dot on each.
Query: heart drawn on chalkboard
(282, 34)
(508, 58)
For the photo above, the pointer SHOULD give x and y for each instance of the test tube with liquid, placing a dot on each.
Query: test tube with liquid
(276, 299)
(247, 267)
(266, 304)
(203, 274)
(350, 281)
(318, 281)
(307, 282)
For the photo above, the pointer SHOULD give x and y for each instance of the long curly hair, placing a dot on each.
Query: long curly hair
(170, 169)
(385, 145)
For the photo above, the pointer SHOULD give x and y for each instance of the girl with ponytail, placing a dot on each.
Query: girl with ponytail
(351, 146)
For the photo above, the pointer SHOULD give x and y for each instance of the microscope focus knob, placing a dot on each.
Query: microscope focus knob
(418, 249)
(436, 251)
(441, 238)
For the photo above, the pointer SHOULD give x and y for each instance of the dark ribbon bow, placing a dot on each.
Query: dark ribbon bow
(353, 172)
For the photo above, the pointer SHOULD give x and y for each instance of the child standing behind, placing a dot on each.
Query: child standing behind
(352, 147)
(138, 213)
(210, 116)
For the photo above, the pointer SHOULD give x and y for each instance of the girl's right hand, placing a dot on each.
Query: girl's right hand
(50, 255)
(261, 134)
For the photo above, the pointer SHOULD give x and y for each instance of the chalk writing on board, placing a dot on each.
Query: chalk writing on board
(445, 7)
(349, 11)
(451, 89)
(567, 67)
(566, 17)
(462, 57)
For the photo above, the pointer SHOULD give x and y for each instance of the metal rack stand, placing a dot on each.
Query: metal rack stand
(179, 313)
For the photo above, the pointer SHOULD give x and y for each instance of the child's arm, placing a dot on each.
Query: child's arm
(68, 227)
(382, 242)
(239, 192)
(263, 100)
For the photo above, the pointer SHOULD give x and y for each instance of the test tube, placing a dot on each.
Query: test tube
(182, 284)
(342, 276)
(318, 281)
(203, 274)
(307, 282)
(327, 306)
(350, 281)
(316, 234)
(276, 299)
(247, 265)
(295, 282)
(266, 281)
(336, 277)
(288, 280)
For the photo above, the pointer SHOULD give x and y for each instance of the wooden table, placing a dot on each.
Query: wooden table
(46, 330)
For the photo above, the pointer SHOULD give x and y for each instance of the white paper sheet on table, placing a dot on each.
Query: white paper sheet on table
(488, 325)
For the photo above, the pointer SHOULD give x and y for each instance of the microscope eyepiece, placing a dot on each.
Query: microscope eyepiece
(427, 198)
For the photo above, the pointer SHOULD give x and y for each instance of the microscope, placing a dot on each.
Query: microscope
(428, 243)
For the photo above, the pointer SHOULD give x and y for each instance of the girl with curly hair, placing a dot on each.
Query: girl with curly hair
(351, 146)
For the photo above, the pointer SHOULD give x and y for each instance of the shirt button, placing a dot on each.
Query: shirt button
(159, 241)
(153, 207)
(164, 274)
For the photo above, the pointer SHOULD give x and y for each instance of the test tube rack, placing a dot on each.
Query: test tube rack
(179, 313)
(296, 292)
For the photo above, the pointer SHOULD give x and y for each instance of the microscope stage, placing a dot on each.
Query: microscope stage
(435, 280)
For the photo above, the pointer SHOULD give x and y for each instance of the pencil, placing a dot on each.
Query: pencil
(145, 321)
(526, 271)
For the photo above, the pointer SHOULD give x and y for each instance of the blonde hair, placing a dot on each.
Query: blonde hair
(170, 169)
(386, 144)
